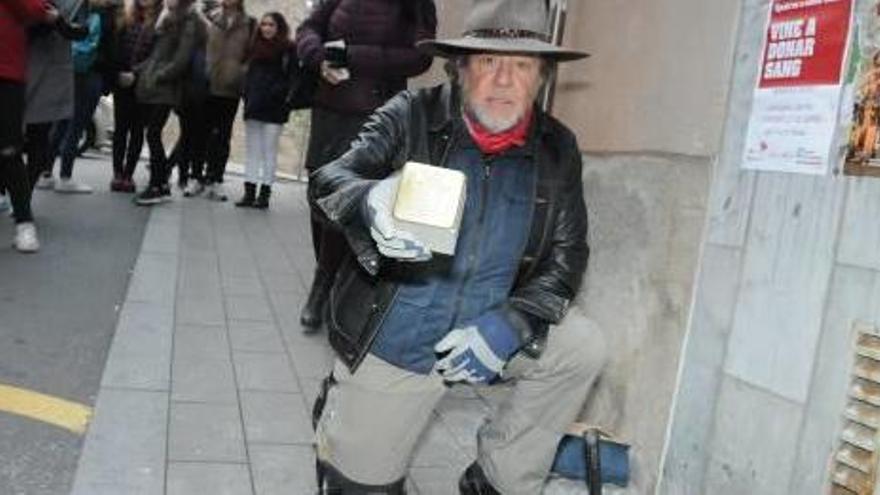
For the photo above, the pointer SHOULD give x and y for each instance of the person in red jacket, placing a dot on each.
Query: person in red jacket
(15, 16)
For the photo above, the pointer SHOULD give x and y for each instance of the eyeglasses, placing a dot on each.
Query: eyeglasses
(491, 63)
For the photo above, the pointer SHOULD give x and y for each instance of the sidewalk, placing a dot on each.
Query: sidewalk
(209, 381)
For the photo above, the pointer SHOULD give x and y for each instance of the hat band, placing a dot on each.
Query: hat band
(506, 34)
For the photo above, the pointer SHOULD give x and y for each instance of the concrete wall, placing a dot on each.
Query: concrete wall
(658, 76)
(789, 263)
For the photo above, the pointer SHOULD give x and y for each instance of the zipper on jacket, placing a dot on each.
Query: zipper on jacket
(474, 248)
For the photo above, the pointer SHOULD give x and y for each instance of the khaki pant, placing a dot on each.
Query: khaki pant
(373, 419)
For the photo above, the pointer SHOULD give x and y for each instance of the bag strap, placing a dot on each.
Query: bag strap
(594, 463)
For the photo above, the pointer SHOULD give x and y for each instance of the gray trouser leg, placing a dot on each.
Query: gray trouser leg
(373, 419)
(517, 445)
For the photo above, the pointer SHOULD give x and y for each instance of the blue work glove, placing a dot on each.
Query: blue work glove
(391, 241)
(478, 352)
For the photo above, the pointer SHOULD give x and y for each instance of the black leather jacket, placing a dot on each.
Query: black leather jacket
(422, 126)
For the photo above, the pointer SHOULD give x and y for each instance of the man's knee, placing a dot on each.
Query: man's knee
(576, 346)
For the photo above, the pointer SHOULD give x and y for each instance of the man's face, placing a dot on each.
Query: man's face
(499, 89)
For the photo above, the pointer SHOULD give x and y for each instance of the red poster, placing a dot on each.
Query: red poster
(806, 42)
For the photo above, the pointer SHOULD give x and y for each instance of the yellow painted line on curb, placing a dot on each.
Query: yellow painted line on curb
(41, 407)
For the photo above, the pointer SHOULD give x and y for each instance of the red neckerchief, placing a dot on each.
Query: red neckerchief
(492, 144)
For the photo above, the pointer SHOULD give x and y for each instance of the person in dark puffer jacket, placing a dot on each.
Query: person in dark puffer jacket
(160, 87)
(379, 54)
(266, 86)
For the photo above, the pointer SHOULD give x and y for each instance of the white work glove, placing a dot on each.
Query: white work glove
(391, 241)
(478, 352)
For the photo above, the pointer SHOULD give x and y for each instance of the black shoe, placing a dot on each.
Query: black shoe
(263, 201)
(332, 482)
(312, 315)
(152, 195)
(247, 200)
(473, 482)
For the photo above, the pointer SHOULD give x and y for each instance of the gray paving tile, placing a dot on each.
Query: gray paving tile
(273, 417)
(161, 238)
(200, 310)
(242, 286)
(205, 432)
(191, 478)
(198, 379)
(255, 336)
(237, 265)
(286, 282)
(154, 279)
(312, 360)
(124, 450)
(140, 355)
(208, 342)
(283, 469)
(254, 308)
(262, 371)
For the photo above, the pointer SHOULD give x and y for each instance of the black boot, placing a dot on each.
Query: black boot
(313, 313)
(250, 190)
(332, 482)
(473, 482)
(263, 201)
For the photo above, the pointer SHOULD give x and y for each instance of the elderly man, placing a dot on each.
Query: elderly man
(406, 324)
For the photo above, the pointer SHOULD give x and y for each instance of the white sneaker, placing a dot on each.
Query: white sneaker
(216, 192)
(194, 188)
(69, 186)
(26, 238)
(4, 202)
(45, 182)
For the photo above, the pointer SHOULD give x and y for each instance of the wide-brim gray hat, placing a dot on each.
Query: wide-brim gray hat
(504, 26)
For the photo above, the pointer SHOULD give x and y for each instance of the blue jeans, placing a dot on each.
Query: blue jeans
(87, 92)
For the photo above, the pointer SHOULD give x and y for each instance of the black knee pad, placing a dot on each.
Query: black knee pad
(320, 401)
(332, 482)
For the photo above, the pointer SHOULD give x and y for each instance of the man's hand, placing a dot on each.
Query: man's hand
(125, 79)
(333, 75)
(478, 352)
(391, 241)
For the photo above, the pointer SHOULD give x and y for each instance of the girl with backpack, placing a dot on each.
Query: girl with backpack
(266, 86)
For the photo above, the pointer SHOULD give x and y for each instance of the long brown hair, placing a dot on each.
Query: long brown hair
(261, 48)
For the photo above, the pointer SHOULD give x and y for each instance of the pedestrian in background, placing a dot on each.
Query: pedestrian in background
(88, 65)
(229, 36)
(49, 97)
(15, 17)
(159, 88)
(371, 54)
(266, 87)
(135, 37)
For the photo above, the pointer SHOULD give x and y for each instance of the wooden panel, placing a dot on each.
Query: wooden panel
(860, 233)
(788, 261)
